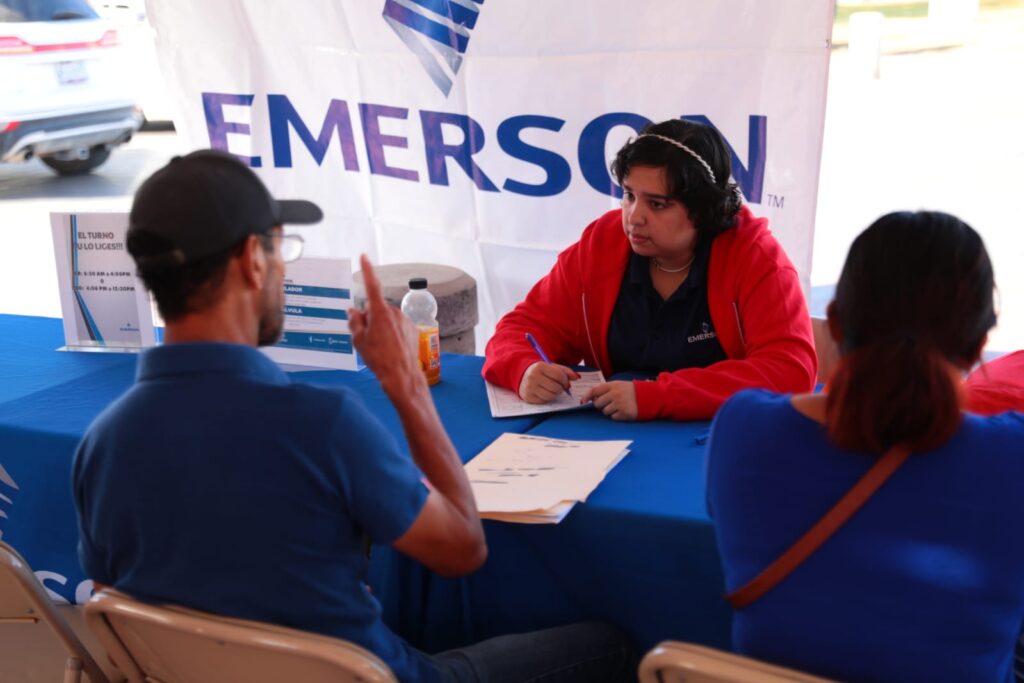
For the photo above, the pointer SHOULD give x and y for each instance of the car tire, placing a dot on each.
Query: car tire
(97, 155)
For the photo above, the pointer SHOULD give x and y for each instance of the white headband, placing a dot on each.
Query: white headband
(686, 149)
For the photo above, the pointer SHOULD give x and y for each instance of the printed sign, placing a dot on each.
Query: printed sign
(317, 296)
(96, 277)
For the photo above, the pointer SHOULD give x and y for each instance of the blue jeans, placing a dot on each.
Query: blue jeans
(587, 652)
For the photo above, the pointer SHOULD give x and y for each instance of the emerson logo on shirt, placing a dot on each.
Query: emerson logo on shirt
(705, 333)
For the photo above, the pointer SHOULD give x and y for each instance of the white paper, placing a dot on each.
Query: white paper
(97, 283)
(317, 296)
(552, 515)
(505, 403)
(521, 473)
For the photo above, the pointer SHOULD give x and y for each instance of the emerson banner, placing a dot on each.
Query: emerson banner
(477, 133)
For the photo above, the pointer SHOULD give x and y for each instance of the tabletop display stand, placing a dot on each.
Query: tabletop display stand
(104, 305)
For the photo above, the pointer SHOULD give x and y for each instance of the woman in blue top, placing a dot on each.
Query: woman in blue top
(926, 581)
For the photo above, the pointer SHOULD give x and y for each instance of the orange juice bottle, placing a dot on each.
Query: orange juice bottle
(420, 306)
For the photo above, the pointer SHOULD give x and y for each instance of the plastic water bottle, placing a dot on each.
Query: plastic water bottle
(420, 306)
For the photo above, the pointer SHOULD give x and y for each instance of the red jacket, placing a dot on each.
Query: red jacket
(757, 309)
(997, 386)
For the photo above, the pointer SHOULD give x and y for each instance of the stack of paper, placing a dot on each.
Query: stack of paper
(537, 480)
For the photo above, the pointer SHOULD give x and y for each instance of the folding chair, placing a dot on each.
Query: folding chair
(171, 644)
(672, 662)
(23, 600)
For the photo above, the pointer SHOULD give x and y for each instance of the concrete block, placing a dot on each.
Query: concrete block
(463, 343)
(455, 291)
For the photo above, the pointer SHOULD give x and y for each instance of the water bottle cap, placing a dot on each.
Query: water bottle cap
(418, 283)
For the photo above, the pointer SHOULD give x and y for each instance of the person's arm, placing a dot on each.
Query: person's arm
(997, 386)
(553, 313)
(447, 535)
(779, 346)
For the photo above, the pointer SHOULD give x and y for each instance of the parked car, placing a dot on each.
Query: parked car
(63, 94)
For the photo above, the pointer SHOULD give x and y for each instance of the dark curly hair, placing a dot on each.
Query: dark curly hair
(712, 206)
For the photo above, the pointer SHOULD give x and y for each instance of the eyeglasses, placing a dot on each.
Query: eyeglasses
(291, 247)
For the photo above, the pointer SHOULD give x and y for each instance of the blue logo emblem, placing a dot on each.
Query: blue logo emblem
(437, 32)
(7, 491)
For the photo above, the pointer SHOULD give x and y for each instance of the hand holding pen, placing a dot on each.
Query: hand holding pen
(543, 380)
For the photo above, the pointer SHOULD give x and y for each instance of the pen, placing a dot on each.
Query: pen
(543, 357)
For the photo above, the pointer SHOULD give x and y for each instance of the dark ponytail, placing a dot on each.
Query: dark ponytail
(913, 306)
(889, 393)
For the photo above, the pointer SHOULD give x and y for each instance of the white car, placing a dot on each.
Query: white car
(63, 94)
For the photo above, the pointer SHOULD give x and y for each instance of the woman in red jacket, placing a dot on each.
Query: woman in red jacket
(682, 284)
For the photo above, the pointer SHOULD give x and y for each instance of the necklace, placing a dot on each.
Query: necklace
(672, 270)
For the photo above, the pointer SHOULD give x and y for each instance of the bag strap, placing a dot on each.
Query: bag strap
(822, 530)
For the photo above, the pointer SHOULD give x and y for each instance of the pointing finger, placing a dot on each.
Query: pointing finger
(374, 294)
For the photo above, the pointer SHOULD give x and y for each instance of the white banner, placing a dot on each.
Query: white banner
(478, 134)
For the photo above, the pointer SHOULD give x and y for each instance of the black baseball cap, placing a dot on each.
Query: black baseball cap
(201, 204)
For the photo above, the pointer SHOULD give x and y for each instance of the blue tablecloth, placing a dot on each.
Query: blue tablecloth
(640, 553)
(27, 364)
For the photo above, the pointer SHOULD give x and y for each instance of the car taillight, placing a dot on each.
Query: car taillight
(9, 126)
(12, 45)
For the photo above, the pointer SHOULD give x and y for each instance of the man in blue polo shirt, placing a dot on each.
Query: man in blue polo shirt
(217, 483)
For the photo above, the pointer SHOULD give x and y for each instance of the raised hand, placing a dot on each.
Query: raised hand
(447, 535)
(386, 339)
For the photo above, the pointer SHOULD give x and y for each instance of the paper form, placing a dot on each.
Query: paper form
(520, 473)
(505, 403)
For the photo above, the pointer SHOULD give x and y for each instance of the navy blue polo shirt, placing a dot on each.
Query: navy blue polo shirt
(648, 334)
(216, 483)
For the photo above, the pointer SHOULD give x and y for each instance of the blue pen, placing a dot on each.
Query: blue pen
(543, 357)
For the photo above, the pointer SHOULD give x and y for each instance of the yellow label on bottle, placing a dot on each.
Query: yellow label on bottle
(430, 353)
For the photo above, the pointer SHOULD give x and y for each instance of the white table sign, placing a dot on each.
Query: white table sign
(97, 283)
(317, 296)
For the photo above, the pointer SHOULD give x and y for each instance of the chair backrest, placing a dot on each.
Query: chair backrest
(171, 644)
(672, 662)
(23, 600)
(826, 348)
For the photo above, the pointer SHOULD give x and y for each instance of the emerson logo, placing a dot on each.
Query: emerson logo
(437, 32)
(705, 333)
